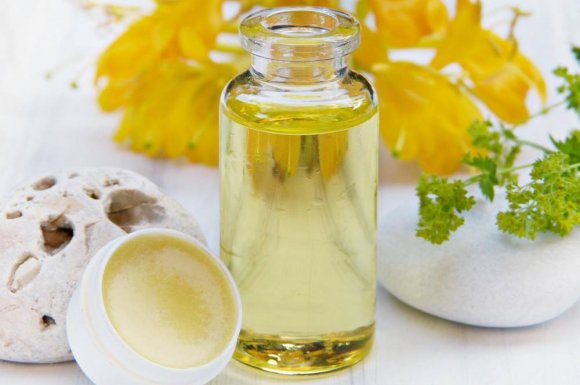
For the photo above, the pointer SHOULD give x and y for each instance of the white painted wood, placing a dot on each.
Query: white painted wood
(45, 126)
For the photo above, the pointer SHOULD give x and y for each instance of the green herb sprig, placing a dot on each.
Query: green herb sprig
(550, 202)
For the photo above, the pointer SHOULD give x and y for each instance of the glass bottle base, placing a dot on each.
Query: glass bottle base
(295, 356)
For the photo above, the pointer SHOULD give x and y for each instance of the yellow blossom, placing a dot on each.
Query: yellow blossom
(424, 116)
(371, 51)
(170, 107)
(403, 23)
(176, 112)
(161, 73)
(501, 75)
(174, 30)
(282, 3)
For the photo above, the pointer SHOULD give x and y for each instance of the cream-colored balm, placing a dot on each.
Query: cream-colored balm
(169, 301)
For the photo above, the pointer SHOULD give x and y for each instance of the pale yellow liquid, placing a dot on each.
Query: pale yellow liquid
(298, 211)
(168, 301)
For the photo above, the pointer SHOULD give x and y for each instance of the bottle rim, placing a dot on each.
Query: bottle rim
(300, 33)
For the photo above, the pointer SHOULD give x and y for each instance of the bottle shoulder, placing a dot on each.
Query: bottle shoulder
(322, 107)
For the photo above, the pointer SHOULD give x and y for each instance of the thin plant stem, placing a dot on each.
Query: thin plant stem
(475, 178)
(533, 145)
(543, 111)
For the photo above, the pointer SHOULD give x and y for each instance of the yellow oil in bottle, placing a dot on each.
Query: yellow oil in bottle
(298, 164)
(298, 204)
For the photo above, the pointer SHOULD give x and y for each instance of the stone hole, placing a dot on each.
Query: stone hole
(13, 214)
(23, 272)
(44, 183)
(47, 321)
(56, 233)
(130, 209)
(92, 192)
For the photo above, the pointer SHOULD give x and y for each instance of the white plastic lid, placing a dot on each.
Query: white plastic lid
(104, 355)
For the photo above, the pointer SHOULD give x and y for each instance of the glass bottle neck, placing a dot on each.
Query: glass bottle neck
(298, 72)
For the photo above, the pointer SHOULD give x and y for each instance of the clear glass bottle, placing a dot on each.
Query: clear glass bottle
(298, 161)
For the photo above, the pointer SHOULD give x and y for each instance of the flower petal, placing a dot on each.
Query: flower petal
(424, 116)
(371, 51)
(505, 92)
(501, 75)
(192, 45)
(463, 30)
(403, 23)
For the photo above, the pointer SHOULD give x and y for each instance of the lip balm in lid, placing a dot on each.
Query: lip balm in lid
(154, 307)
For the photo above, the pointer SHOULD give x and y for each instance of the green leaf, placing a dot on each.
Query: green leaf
(549, 203)
(501, 147)
(488, 178)
(440, 202)
(576, 52)
(509, 134)
(483, 138)
(570, 88)
(512, 155)
(486, 185)
(483, 163)
(570, 146)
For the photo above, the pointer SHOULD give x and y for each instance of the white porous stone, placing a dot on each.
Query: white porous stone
(480, 276)
(49, 230)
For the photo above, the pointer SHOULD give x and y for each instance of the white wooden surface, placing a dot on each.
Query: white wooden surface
(45, 126)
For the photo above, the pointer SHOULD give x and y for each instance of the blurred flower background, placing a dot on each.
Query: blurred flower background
(166, 72)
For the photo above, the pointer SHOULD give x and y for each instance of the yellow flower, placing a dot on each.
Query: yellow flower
(371, 51)
(170, 107)
(161, 73)
(173, 30)
(176, 112)
(281, 3)
(424, 116)
(404, 23)
(501, 75)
